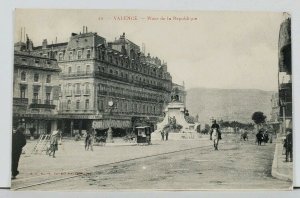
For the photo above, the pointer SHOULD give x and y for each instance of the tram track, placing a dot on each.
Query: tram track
(82, 171)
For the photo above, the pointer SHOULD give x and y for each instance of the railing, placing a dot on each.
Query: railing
(78, 74)
(88, 111)
(49, 102)
(68, 93)
(77, 92)
(20, 101)
(86, 92)
(31, 62)
(36, 103)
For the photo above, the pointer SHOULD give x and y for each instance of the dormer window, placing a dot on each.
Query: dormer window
(37, 60)
(60, 56)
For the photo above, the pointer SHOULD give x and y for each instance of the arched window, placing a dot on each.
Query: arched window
(23, 75)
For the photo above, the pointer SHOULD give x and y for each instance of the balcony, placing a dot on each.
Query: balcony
(20, 101)
(37, 103)
(77, 92)
(86, 92)
(78, 74)
(68, 93)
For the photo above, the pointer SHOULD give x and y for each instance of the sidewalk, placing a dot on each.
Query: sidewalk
(280, 168)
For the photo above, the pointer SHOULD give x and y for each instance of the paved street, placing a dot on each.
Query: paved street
(237, 165)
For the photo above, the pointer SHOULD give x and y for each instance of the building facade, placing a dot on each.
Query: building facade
(35, 90)
(107, 84)
(285, 75)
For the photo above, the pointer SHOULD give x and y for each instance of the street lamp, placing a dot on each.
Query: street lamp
(110, 108)
(283, 104)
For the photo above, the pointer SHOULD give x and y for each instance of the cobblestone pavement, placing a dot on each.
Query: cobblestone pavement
(237, 165)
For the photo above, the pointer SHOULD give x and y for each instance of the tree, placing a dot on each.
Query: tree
(259, 118)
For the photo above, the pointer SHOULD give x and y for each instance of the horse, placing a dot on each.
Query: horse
(215, 138)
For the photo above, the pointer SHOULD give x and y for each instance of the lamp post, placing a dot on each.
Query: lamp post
(283, 104)
(110, 108)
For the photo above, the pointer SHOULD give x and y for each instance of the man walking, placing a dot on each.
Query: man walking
(289, 146)
(18, 142)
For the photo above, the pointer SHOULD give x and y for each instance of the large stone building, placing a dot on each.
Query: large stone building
(107, 84)
(285, 75)
(35, 90)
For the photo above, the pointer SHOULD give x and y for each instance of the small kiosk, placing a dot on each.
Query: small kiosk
(143, 134)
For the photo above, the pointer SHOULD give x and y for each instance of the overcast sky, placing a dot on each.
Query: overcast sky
(218, 50)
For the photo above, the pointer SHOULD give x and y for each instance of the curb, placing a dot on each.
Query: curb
(274, 171)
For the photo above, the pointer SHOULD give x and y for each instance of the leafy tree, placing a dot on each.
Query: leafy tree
(259, 117)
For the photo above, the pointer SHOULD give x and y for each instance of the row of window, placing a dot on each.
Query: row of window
(71, 55)
(77, 104)
(122, 106)
(125, 62)
(36, 77)
(36, 60)
(105, 89)
(36, 90)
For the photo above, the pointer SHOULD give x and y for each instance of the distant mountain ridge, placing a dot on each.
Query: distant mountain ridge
(228, 104)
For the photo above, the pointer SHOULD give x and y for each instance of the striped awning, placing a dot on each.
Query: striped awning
(103, 124)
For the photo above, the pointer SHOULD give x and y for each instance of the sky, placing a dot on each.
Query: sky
(227, 50)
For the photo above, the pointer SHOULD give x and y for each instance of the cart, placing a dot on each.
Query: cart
(143, 134)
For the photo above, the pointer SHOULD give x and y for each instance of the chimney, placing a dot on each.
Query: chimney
(45, 43)
(86, 30)
(82, 29)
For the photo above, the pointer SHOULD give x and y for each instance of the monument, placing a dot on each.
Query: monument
(176, 122)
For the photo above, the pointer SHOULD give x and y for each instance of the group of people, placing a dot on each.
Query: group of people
(19, 141)
(262, 136)
(164, 135)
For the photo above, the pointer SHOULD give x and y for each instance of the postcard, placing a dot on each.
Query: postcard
(114, 100)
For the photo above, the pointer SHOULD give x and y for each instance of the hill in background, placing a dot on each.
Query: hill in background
(228, 104)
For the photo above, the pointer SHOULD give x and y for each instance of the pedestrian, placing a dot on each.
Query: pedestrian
(18, 142)
(289, 146)
(259, 137)
(162, 135)
(166, 132)
(53, 143)
(88, 141)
